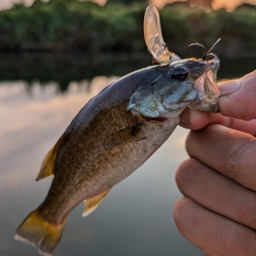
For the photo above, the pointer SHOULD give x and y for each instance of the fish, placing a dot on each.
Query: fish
(112, 135)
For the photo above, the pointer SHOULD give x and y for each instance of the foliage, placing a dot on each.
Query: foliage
(127, 2)
(72, 25)
(66, 67)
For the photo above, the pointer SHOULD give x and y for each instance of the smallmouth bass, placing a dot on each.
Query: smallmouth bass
(116, 132)
(112, 135)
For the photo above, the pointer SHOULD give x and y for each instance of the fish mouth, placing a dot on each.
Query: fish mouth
(206, 87)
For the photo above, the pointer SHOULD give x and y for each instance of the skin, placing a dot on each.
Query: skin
(218, 181)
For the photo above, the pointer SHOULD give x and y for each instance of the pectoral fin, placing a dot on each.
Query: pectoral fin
(48, 164)
(92, 203)
(126, 135)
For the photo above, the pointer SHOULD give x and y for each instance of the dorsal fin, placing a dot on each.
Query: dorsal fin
(92, 203)
(48, 164)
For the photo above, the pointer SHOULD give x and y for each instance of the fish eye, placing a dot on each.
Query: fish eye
(179, 73)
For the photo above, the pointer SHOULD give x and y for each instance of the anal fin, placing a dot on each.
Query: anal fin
(92, 203)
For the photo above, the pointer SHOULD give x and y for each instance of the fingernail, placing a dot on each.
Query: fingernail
(229, 87)
(185, 115)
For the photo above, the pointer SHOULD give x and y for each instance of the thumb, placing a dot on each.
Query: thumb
(238, 97)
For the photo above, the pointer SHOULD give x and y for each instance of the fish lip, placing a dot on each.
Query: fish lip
(206, 87)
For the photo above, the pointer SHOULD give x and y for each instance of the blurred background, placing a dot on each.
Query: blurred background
(54, 56)
(72, 40)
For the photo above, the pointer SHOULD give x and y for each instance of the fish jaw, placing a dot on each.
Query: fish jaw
(206, 86)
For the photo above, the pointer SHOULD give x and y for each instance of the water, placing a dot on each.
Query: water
(136, 216)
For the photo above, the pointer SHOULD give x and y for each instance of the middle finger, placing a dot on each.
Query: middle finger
(228, 151)
(217, 192)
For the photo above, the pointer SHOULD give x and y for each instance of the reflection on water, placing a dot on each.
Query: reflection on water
(136, 216)
(64, 68)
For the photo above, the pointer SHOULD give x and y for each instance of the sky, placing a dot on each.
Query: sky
(230, 5)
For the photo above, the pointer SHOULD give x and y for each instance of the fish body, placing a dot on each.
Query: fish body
(117, 131)
(111, 136)
(103, 145)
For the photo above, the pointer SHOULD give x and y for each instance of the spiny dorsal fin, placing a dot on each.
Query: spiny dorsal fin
(92, 203)
(48, 164)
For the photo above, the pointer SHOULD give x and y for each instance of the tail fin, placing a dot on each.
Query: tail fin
(40, 232)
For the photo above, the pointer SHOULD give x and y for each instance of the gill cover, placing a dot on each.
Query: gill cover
(169, 93)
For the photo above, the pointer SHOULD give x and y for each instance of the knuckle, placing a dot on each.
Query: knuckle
(188, 170)
(253, 212)
(242, 163)
(228, 239)
(191, 141)
(238, 240)
(254, 244)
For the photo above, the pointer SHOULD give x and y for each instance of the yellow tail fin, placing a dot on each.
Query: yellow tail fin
(41, 233)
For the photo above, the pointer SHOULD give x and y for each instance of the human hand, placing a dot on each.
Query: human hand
(218, 211)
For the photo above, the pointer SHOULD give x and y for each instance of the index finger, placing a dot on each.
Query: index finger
(197, 119)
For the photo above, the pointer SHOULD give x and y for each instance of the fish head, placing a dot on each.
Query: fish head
(184, 83)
